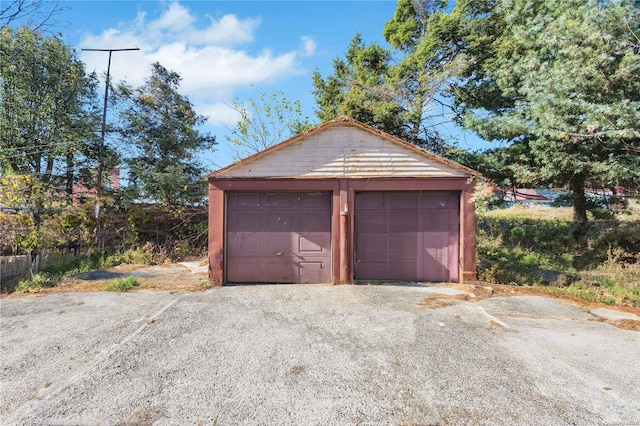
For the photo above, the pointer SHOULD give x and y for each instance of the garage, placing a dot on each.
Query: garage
(342, 203)
(279, 237)
(406, 236)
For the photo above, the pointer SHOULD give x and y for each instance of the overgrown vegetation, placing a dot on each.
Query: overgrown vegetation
(38, 281)
(178, 234)
(265, 121)
(122, 284)
(60, 188)
(152, 238)
(542, 246)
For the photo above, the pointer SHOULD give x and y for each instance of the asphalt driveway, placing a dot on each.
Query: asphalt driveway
(311, 354)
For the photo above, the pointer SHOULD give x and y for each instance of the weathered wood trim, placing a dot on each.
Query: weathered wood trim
(217, 231)
(274, 184)
(468, 235)
(411, 184)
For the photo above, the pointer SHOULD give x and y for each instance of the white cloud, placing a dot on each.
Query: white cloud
(227, 30)
(308, 46)
(175, 19)
(207, 57)
(219, 113)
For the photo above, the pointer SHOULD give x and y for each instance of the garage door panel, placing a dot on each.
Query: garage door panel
(403, 247)
(389, 271)
(276, 244)
(245, 242)
(402, 271)
(439, 200)
(314, 200)
(372, 270)
(436, 239)
(310, 272)
(247, 199)
(372, 247)
(313, 243)
(402, 200)
(311, 222)
(279, 199)
(279, 222)
(436, 262)
(252, 274)
(282, 271)
(439, 220)
(413, 236)
(278, 237)
(373, 220)
(403, 221)
(371, 200)
(436, 257)
(247, 222)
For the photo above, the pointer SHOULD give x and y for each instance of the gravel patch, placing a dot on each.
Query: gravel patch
(311, 354)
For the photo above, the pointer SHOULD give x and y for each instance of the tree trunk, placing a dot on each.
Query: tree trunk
(46, 177)
(69, 176)
(576, 185)
(418, 106)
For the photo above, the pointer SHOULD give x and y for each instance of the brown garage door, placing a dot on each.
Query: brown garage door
(279, 237)
(408, 236)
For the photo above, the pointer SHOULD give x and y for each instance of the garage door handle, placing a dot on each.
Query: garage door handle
(278, 253)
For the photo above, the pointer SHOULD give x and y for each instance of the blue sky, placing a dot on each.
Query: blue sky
(227, 48)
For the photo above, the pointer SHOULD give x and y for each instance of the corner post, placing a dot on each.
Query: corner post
(216, 236)
(344, 245)
(468, 216)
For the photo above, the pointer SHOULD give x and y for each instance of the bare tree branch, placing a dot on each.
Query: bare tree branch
(35, 14)
(633, 33)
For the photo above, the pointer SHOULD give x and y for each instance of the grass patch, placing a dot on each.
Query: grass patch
(534, 211)
(541, 246)
(122, 284)
(615, 296)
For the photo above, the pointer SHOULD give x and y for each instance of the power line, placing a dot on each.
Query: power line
(104, 122)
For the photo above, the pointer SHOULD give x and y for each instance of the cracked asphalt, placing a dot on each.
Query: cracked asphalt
(312, 354)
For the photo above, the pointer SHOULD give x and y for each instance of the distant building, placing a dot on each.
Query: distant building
(80, 191)
(524, 195)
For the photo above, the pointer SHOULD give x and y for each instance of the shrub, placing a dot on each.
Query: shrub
(37, 282)
(72, 227)
(122, 284)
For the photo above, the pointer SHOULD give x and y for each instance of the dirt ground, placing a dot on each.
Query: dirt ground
(185, 276)
(480, 291)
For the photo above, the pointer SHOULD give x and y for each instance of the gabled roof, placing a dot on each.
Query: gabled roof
(343, 147)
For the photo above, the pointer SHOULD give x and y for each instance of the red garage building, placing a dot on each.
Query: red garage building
(339, 203)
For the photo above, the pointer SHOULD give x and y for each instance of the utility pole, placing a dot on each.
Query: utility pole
(104, 128)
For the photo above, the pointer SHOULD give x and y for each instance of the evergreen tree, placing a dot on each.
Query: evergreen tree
(558, 80)
(393, 90)
(358, 89)
(416, 77)
(162, 140)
